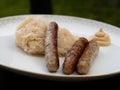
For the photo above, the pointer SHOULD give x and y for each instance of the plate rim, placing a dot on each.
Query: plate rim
(56, 77)
(59, 78)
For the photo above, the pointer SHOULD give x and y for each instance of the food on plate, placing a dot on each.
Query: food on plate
(30, 36)
(73, 55)
(51, 51)
(101, 37)
(35, 35)
(87, 57)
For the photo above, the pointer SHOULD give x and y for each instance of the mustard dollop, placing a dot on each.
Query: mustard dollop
(101, 37)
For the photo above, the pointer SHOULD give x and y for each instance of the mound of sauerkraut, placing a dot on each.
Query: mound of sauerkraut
(30, 36)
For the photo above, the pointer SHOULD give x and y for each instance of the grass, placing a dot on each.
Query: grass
(107, 11)
(103, 10)
(13, 7)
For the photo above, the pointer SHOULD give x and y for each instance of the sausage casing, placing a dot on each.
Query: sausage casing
(87, 57)
(51, 52)
(73, 55)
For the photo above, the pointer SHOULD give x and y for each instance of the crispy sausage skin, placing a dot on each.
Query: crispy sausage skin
(51, 52)
(73, 55)
(87, 57)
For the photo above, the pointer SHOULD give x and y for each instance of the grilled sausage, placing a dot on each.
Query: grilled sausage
(51, 52)
(87, 57)
(73, 55)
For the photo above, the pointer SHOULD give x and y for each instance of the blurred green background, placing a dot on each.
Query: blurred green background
(107, 11)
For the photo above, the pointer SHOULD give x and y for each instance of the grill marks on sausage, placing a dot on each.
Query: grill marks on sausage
(80, 56)
(73, 55)
(51, 52)
(87, 57)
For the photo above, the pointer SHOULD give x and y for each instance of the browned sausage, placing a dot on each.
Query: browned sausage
(87, 57)
(51, 52)
(73, 55)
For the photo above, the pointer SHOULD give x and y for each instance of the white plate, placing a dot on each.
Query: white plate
(13, 58)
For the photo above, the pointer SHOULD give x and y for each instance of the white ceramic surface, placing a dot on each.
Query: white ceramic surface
(107, 63)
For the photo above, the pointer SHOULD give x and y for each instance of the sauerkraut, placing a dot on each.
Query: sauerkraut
(30, 36)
